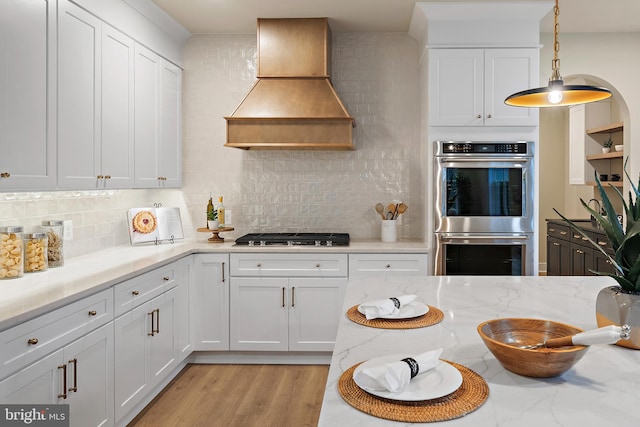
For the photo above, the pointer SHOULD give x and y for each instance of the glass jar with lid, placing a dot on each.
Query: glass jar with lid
(55, 250)
(35, 252)
(11, 257)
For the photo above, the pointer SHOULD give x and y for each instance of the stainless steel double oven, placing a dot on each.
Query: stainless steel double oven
(484, 216)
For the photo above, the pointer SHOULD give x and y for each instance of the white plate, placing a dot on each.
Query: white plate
(440, 381)
(407, 311)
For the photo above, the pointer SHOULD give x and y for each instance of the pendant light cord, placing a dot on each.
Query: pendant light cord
(555, 64)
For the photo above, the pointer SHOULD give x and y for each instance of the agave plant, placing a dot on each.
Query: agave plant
(624, 240)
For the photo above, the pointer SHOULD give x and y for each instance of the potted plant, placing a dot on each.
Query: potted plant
(606, 146)
(212, 219)
(619, 305)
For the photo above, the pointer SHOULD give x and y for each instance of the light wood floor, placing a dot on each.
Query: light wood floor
(239, 395)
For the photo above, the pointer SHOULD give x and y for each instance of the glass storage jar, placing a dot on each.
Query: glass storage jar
(55, 250)
(35, 252)
(11, 260)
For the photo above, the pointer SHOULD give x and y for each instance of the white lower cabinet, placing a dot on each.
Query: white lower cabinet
(80, 374)
(210, 302)
(273, 310)
(146, 350)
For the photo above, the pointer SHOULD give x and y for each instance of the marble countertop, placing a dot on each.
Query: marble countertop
(37, 293)
(601, 389)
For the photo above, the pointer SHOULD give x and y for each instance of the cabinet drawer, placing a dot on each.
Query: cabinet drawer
(602, 240)
(136, 291)
(289, 265)
(559, 231)
(366, 265)
(34, 339)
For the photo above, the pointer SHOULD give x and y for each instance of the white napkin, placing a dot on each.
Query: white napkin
(382, 307)
(395, 376)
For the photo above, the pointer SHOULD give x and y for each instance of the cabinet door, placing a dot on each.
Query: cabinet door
(507, 71)
(170, 129)
(601, 263)
(456, 79)
(131, 374)
(163, 344)
(258, 313)
(116, 142)
(210, 301)
(185, 286)
(27, 95)
(79, 66)
(315, 306)
(581, 260)
(558, 257)
(90, 378)
(39, 383)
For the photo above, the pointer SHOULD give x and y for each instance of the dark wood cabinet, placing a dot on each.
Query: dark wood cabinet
(571, 254)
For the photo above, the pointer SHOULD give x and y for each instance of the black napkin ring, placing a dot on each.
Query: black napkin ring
(396, 302)
(413, 365)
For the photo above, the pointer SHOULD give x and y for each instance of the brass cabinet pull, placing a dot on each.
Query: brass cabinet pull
(99, 176)
(293, 297)
(157, 310)
(134, 293)
(107, 177)
(32, 341)
(479, 116)
(556, 244)
(283, 296)
(64, 381)
(602, 243)
(563, 232)
(5, 175)
(585, 239)
(152, 333)
(75, 375)
(92, 312)
(166, 279)
(579, 251)
(552, 230)
(223, 279)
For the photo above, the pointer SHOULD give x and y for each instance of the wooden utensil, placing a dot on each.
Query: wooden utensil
(380, 210)
(605, 335)
(402, 208)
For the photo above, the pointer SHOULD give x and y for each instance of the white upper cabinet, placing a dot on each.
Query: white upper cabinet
(27, 97)
(158, 147)
(95, 108)
(468, 86)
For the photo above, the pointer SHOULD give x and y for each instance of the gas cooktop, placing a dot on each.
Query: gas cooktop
(294, 239)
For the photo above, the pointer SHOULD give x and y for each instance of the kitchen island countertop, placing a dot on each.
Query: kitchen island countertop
(601, 389)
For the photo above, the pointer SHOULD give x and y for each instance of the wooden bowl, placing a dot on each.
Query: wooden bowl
(503, 337)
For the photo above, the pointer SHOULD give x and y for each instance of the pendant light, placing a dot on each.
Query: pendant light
(557, 93)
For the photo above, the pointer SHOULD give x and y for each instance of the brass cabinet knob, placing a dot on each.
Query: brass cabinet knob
(317, 265)
(32, 341)
(135, 293)
(479, 116)
(166, 279)
(92, 312)
(489, 116)
(387, 266)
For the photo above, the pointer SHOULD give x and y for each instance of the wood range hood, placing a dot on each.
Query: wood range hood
(293, 105)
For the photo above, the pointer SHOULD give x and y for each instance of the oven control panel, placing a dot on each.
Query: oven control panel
(476, 147)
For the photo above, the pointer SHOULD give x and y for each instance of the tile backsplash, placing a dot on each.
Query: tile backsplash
(377, 77)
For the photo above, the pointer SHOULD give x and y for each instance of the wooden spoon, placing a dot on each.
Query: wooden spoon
(402, 208)
(380, 210)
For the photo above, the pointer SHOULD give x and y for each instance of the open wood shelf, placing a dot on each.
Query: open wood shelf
(610, 155)
(612, 127)
(606, 184)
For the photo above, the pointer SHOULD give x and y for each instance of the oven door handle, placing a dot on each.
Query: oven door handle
(493, 237)
(485, 159)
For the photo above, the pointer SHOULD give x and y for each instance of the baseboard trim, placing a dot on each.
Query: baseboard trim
(266, 358)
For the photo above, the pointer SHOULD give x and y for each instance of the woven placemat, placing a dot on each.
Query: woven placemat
(432, 317)
(473, 392)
